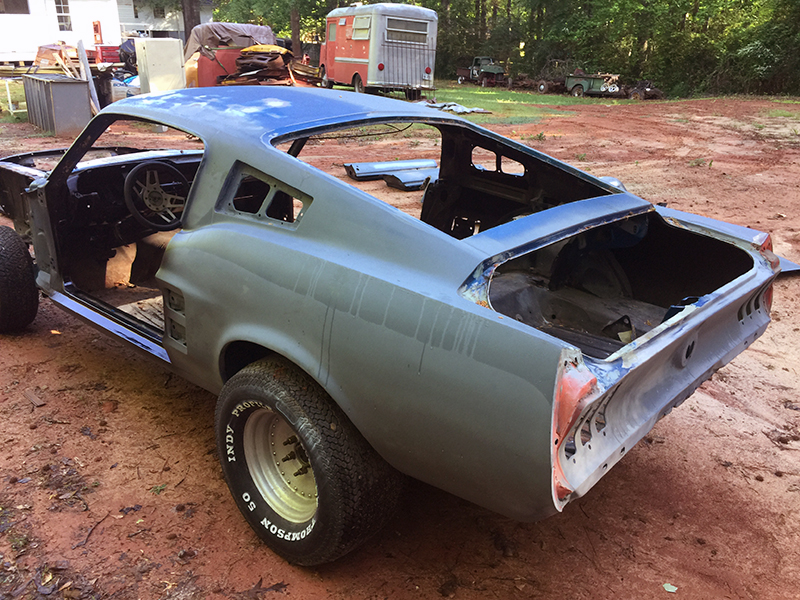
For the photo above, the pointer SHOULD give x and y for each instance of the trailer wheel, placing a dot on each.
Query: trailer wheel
(19, 298)
(326, 83)
(461, 79)
(358, 84)
(577, 91)
(543, 87)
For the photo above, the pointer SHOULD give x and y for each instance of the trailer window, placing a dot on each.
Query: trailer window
(332, 32)
(361, 28)
(405, 30)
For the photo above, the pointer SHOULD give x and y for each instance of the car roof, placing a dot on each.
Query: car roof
(252, 112)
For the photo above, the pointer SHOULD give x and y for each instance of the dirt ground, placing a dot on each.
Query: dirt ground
(110, 487)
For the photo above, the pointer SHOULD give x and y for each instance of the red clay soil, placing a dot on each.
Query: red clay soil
(110, 486)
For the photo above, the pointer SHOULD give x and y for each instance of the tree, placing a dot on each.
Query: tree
(191, 16)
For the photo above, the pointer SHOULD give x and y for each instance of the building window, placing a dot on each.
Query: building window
(14, 7)
(159, 12)
(62, 12)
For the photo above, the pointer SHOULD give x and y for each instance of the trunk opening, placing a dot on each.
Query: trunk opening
(604, 287)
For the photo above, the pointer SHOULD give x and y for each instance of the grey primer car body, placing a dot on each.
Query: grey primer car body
(510, 346)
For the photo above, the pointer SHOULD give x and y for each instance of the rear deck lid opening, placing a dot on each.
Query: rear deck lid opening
(602, 288)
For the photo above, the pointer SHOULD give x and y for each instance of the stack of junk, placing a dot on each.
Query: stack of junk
(242, 54)
(268, 64)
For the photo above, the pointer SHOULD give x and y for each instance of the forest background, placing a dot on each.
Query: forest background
(686, 47)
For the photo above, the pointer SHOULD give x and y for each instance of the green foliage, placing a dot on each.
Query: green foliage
(276, 14)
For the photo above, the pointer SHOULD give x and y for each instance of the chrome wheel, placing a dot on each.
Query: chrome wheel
(279, 466)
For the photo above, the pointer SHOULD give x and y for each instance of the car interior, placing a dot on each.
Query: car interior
(123, 206)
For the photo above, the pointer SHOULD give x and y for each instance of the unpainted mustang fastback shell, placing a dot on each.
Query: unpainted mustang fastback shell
(395, 318)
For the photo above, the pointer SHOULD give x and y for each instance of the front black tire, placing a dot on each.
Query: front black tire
(19, 298)
(302, 475)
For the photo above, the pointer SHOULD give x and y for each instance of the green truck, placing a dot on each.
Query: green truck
(600, 84)
(484, 71)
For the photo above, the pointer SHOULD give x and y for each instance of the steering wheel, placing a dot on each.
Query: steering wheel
(155, 193)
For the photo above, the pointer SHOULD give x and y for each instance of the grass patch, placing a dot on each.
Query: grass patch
(780, 112)
(17, 91)
(508, 107)
(7, 117)
(539, 137)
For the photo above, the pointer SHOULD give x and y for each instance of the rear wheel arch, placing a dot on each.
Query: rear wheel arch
(238, 354)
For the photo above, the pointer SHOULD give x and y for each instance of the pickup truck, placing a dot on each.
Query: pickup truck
(484, 71)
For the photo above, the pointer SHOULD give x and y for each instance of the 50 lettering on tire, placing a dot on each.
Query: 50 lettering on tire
(301, 474)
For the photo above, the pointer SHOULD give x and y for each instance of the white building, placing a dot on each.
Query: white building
(147, 21)
(27, 24)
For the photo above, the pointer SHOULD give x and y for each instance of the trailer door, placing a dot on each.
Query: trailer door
(408, 53)
(329, 58)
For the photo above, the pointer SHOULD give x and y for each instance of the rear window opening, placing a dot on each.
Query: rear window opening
(386, 142)
(601, 289)
(481, 182)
